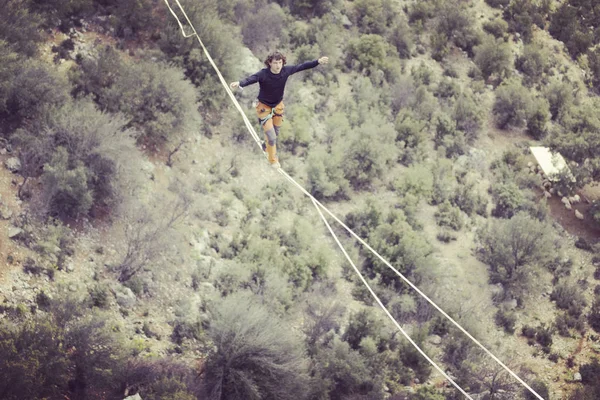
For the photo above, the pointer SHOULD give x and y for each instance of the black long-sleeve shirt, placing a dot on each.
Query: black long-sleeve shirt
(272, 85)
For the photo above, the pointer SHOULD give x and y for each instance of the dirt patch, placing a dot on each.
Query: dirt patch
(586, 228)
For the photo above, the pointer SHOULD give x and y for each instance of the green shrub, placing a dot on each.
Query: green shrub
(85, 173)
(315, 8)
(594, 62)
(20, 27)
(457, 25)
(450, 216)
(255, 354)
(325, 178)
(369, 153)
(261, 37)
(448, 136)
(538, 118)
(496, 27)
(411, 137)
(369, 51)
(594, 315)
(94, 75)
(341, 372)
(568, 297)
(100, 296)
(401, 37)
(66, 191)
(498, 3)
(540, 388)
(168, 109)
(513, 105)
(533, 63)
(468, 114)
(509, 246)
(522, 15)
(528, 331)
(494, 58)
(560, 97)
(506, 320)
(361, 325)
(572, 23)
(373, 16)
(35, 89)
(62, 354)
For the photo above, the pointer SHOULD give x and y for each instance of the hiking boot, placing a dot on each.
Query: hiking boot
(276, 165)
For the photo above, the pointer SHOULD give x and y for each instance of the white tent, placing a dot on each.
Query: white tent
(552, 164)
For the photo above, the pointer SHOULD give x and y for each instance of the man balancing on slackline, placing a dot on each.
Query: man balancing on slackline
(271, 81)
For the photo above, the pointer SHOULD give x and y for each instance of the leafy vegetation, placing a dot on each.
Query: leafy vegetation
(196, 277)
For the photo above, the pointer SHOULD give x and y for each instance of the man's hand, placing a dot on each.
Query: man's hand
(234, 85)
(323, 60)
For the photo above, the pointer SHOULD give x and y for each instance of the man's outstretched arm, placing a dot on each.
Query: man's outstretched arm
(245, 82)
(308, 65)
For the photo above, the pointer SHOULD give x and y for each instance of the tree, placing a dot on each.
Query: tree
(101, 158)
(373, 16)
(66, 191)
(325, 178)
(368, 154)
(401, 246)
(34, 89)
(560, 98)
(341, 372)
(522, 15)
(11, 63)
(513, 105)
(494, 58)
(534, 63)
(61, 354)
(468, 115)
(537, 121)
(456, 24)
(222, 42)
(370, 51)
(147, 231)
(594, 60)
(20, 27)
(256, 356)
(508, 246)
(573, 23)
(160, 103)
(261, 37)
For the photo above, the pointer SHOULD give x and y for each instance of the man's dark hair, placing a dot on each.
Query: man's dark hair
(274, 56)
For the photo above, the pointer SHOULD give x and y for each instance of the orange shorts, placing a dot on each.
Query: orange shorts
(263, 111)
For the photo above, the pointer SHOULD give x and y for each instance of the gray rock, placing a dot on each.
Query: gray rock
(207, 286)
(134, 397)
(577, 377)
(13, 164)
(14, 232)
(125, 297)
(435, 340)
(511, 304)
(5, 212)
(346, 21)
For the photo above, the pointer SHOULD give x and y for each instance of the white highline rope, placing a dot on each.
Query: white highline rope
(289, 178)
(229, 92)
(364, 281)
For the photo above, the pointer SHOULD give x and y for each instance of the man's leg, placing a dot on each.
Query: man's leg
(270, 136)
(278, 118)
